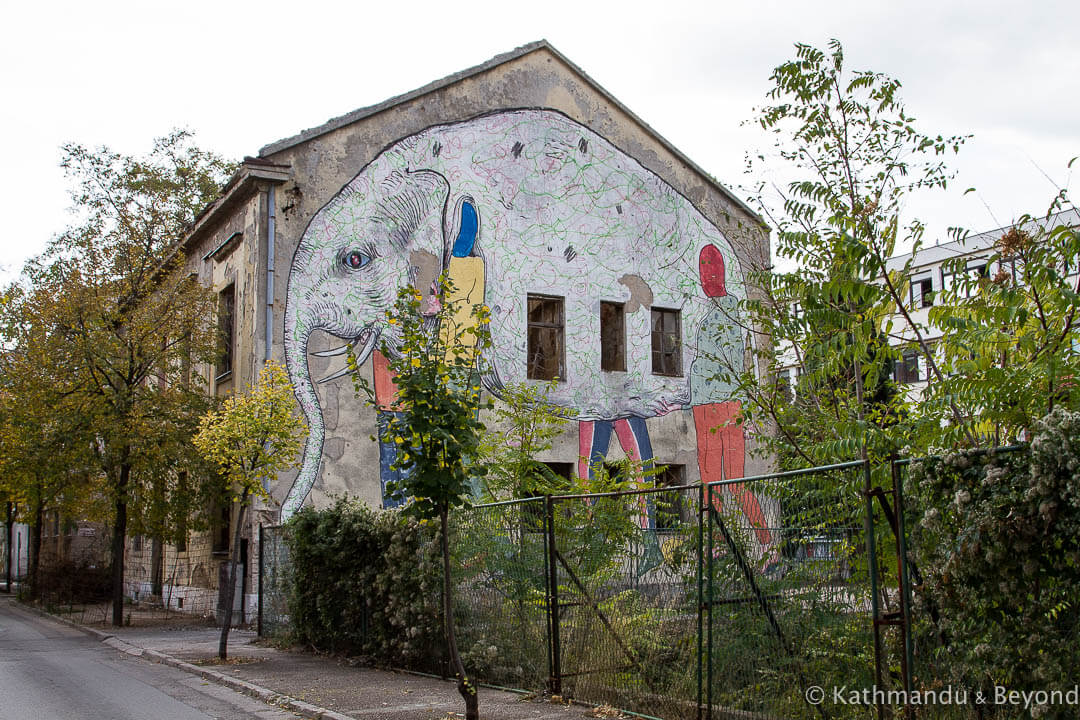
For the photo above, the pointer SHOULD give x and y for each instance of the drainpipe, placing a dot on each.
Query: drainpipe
(271, 221)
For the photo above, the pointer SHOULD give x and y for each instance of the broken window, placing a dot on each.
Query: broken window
(222, 522)
(226, 329)
(666, 342)
(673, 507)
(612, 337)
(546, 345)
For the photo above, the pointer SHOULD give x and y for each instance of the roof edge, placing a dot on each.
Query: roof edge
(361, 113)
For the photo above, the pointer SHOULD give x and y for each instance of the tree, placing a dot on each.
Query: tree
(252, 438)
(855, 156)
(1010, 336)
(45, 441)
(438, 431)
(524, 426)
(131, 319)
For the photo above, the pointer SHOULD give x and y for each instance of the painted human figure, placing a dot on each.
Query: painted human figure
(721, 444)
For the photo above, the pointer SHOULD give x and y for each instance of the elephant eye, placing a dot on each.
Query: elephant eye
(355, 260)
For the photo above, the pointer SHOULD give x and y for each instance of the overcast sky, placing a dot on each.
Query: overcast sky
(242, 75)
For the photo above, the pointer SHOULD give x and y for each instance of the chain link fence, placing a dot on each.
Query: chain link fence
(274, 578)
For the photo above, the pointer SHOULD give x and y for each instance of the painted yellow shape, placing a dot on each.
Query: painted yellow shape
(467, 273)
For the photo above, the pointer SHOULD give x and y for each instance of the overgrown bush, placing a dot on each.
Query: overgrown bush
(366, 583)
(997, 538)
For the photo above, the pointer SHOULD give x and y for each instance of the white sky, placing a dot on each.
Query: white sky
(245, 74)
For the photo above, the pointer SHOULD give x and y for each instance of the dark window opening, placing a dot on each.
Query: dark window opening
(227, 329)
(784, 385)
(220, 529)
(546, 344)
(612, 337)
(673, 508)
(666, 342)
(922, 293)
(907, 367)
(182, 522)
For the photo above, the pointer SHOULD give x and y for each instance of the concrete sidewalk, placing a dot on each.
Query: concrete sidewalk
(317, 686)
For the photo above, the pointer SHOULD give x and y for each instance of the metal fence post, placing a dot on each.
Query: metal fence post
(871, 560)
(904, 579)
(700, 594)
(555, 676)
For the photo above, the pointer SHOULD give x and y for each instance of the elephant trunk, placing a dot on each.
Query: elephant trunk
(298, 329)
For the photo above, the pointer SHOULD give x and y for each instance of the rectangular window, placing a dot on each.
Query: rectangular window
(922, 292)
(964, 279)
(136, 543)
(612, 337)
(546, 344)
(907, 367)
(226, 329)
(182, 522)
(220, 529)
(673, 507)
(666, 342)
(785, 384)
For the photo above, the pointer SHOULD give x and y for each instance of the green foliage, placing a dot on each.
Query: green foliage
(855, 156)
(255, 435)
(433, 357)
(1009, 349)
(523, 426)
(997, 537)
(366, 583)
(111, 316)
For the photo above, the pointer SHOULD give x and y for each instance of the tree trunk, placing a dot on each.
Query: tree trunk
(229, 595)
(465, 686)
(10, 532)
(157, 566)
(119, 535)
(35, 551)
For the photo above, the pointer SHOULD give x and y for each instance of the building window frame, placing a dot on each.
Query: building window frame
(612, 336)
(666, 332)
(226, 331)
(546, 337)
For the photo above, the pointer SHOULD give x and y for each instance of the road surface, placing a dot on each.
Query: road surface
(49, 671)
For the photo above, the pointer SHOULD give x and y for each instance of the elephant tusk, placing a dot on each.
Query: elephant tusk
(340, 373)
(333, 352)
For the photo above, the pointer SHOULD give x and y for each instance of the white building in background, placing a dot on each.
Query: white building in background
(937, 268)
(18, 555)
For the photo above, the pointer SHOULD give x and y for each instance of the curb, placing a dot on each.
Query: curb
(258, 692)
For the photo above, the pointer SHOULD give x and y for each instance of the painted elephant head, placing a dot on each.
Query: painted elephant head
(386, 229)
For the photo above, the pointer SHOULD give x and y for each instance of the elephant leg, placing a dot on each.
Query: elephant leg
(594, 436)
(634, 439)
(722, 456)
(388, 454)
(386, 402)
(633, 436)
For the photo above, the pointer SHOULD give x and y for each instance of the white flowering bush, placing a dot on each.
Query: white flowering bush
(997, 539)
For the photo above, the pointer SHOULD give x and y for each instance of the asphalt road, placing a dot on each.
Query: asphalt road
(50, 671)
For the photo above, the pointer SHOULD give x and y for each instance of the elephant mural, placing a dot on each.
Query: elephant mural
(522, 202)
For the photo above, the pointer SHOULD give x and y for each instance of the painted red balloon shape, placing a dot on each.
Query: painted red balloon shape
(711, 268)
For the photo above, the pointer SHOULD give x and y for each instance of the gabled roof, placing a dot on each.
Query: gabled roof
(361, 113)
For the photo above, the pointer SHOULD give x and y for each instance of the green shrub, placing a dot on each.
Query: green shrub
(366, 583)
(997, 538)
